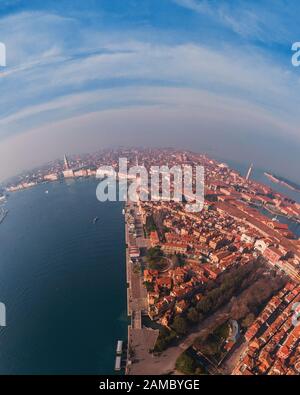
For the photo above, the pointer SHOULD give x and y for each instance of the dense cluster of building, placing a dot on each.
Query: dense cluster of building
(233, 229)
(273, 339)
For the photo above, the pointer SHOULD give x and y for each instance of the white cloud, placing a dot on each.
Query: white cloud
(77, 78)
(235, 73)
(264, 21)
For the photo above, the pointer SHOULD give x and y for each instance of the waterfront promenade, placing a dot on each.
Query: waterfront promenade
(140, 338)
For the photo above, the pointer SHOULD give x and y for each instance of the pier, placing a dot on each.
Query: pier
(118, 363)
(120, 360)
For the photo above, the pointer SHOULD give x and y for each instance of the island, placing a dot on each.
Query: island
(282, 180)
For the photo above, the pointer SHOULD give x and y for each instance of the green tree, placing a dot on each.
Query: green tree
(185, 364)
(180, 325)
(150, 224)
(205, 305)
(200, 317)
(208, 345)
(165, 338)
(248, 320)
(154, 254)
(161, 344)
(193, 315)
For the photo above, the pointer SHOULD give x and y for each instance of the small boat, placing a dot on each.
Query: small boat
(123, 211)
(118, 363)
(119, 349)
(96, 219)
(47, 192)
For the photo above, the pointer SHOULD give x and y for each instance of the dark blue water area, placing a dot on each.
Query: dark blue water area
(62, 279)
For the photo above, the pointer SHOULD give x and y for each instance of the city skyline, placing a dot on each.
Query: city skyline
(214, 77)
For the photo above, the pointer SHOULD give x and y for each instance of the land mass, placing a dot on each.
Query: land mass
(282, 180)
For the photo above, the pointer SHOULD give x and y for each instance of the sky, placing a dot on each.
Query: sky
(207, 75)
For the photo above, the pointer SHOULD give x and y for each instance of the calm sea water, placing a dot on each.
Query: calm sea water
(62, 279)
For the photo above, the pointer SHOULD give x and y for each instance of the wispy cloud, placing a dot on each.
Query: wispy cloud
(265, 21)
(228, 72)
(197, 6)
(64, 74)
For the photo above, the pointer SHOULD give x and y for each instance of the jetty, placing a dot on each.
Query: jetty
(121, 354)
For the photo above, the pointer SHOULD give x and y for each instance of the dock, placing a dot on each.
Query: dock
(119, 349)
(121, 353)
(118, 363)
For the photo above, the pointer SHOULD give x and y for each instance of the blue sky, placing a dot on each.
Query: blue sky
(212, 76)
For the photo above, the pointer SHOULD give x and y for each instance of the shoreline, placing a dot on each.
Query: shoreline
(141, 339)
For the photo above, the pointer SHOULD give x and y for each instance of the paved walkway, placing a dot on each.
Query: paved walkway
(140, 339)
(165, 362)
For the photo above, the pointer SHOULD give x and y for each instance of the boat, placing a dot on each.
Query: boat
(47, 191)
(96, 219)
(118, 363)
(123, 211)
(119, 348)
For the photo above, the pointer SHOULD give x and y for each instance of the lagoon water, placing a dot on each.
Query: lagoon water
(62, 279)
